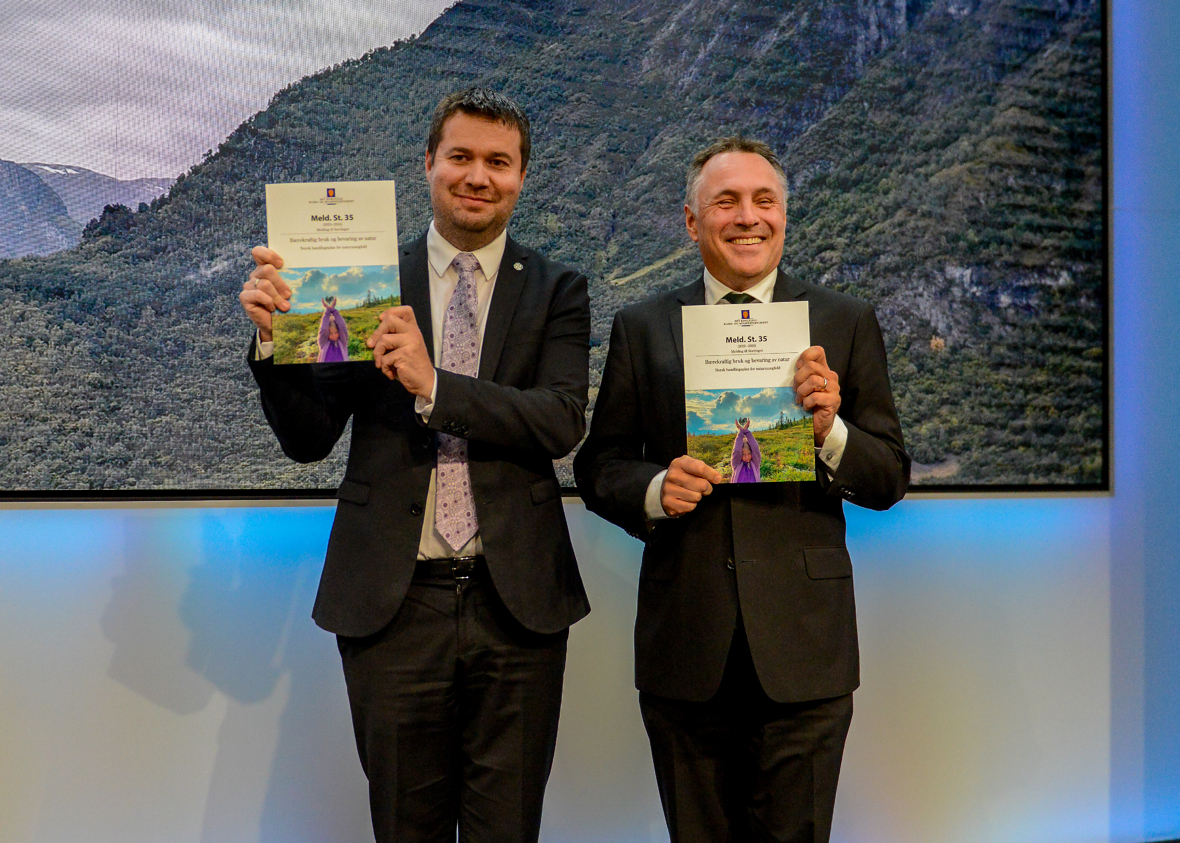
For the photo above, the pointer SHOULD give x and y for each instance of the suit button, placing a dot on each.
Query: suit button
(416, 509)
(729, 563)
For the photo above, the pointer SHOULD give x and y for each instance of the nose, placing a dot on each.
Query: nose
(477, 174)
(746, 212)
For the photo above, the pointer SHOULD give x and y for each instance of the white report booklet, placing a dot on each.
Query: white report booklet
(338, 241)
(739, 396)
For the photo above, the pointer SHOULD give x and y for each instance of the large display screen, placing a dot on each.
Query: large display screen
(946, 162)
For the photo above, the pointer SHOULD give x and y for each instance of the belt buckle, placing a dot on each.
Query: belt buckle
(462, 574)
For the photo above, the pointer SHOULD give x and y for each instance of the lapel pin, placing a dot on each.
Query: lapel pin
(518, 266)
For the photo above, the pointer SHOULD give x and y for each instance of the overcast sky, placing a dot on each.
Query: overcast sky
(716, 410)
(350, 285)
(135, 88)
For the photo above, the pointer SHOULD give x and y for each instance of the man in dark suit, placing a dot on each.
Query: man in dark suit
(745, 638)
(450, 579)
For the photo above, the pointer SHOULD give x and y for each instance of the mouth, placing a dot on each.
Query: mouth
(747, 241)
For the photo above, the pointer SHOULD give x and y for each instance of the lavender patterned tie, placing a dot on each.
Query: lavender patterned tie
(454, 513)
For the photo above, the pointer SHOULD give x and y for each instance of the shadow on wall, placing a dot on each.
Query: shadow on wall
(241, 627)
(212, 608)
(603, 787)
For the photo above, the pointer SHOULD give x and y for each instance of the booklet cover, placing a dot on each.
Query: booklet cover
(338, 241)
(739, 369)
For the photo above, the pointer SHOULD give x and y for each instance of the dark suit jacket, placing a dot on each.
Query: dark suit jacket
(793, 579)
(524, 410)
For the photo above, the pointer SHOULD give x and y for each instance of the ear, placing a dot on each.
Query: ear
(429, 162)
(690, 222)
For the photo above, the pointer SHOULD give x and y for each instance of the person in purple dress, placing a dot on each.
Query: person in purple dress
(333, 335)
(747, 456)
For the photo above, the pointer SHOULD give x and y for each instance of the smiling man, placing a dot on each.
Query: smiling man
(450, 580)
(745, 636)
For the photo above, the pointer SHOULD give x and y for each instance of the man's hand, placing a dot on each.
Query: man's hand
(400, 352)
(687, 481)
(817, 389)
(265, 291)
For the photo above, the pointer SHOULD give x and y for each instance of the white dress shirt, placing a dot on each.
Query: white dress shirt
(444, 278)
(833, 448)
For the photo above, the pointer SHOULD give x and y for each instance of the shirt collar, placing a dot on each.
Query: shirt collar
(763, 290)
(440, 252)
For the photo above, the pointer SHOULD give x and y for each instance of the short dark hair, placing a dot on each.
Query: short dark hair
(692, 182)
(485, 103)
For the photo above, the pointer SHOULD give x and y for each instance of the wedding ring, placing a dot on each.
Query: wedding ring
(825, 386)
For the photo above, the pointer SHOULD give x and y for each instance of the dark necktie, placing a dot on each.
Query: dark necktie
(737, 298)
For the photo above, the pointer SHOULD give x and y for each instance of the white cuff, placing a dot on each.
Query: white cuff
(833, 449)
(263, 350)
(651, 501)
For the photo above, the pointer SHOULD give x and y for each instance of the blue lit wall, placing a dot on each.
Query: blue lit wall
(160, 678)
(1145, 679)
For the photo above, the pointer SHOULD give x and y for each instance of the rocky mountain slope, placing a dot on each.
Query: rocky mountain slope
(86, 192)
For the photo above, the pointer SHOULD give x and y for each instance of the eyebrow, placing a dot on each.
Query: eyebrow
(758, 193)
(463, 150)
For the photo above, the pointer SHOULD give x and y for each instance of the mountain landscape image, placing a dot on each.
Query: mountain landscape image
(945, 163)
(46, 206)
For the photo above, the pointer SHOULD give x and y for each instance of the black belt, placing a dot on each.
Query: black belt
(458, 568)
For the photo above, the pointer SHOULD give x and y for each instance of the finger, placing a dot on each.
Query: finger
(388, 369)
(267, 279)
(697, 468)
(814, 354)
(710, 474)
(824, 382)
(683, 493)
(677, 502)
(403, 313)
(379, 333)
(394, 320)
(264, 272)
(384, 361)
(261, 285)
(690, 484)
(383, 343)
(818, 401)
(263, 255)
(401, 325)
(812, 382)
(257, 299)
(396, 343)
(676, 508)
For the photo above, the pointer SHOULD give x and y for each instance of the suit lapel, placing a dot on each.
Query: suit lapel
(693, 294)
(414, 277)
(509, 283)
(787, 288)
(791, 289)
